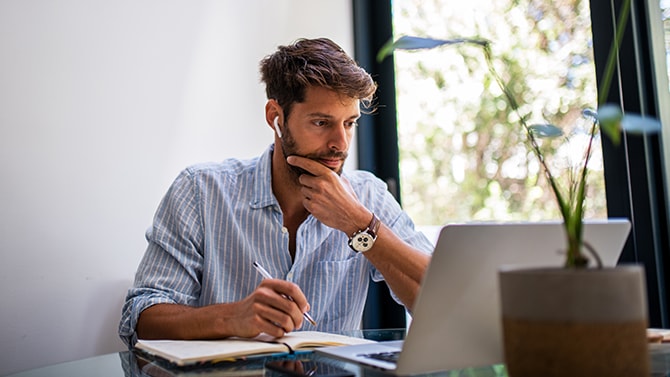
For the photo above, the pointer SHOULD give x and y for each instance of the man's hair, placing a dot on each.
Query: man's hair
(314, 62)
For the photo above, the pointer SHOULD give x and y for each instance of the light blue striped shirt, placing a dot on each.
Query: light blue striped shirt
(217, 219)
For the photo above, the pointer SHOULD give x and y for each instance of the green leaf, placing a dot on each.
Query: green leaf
(545, 130)
(609, 117)
(612, 121)
(417, 43)
(407, 43)
(638, 124)
(589, 113)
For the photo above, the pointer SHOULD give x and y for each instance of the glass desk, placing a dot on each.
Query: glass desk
(129, 364)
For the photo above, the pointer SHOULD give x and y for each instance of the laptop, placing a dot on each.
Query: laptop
(456, 320)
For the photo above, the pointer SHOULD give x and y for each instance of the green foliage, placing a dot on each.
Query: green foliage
(489, 161)
(478, 167)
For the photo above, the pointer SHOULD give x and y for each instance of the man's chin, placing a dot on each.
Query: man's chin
(298, 171)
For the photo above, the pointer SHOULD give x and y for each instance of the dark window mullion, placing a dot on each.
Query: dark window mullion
(633, 174)
(378, 136)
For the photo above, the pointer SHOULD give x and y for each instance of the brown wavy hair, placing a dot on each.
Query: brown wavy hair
(314, 62)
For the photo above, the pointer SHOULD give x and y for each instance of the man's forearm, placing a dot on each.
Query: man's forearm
(265, 310)
(401, 265)
(173, 321)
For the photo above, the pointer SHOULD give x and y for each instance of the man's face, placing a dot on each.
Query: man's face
(321, 129)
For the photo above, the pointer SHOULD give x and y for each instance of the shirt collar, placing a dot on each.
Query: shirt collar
(262, 182)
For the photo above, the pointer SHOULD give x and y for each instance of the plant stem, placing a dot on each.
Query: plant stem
(531, 138)
(572, 217)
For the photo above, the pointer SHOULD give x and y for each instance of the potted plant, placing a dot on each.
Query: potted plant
(581, 318)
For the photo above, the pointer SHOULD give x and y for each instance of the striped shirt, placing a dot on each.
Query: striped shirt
(217, 219)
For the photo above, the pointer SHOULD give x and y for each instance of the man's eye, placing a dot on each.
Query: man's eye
(352, 124)
(320, 123)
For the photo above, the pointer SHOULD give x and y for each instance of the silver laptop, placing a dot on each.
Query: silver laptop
(456, 318)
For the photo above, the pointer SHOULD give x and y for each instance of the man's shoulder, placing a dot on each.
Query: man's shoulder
(230, 167)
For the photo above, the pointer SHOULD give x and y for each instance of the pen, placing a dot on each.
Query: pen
(266, 275)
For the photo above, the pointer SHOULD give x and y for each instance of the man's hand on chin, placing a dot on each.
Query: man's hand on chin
(329, 197)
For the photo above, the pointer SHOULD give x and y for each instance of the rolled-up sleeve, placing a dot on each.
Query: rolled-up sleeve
(171, 269)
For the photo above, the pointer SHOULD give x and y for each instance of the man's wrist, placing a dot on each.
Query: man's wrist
(363, 239)
(359, 223)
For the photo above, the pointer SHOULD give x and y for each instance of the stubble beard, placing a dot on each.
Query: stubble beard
(289, 148)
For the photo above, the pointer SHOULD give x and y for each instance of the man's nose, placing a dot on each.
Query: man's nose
(339, 138)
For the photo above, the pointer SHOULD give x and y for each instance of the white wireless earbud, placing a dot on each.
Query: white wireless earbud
(277, 127)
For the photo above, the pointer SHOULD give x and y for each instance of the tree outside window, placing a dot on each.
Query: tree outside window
(460, 157)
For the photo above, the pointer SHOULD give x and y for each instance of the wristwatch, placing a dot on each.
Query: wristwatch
(363, 239)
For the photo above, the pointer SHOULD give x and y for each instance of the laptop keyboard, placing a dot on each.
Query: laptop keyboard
(390, 357)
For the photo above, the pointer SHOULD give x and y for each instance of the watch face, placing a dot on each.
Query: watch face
(362, 242)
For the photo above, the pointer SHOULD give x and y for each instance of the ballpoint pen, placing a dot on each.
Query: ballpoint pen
(266, 275)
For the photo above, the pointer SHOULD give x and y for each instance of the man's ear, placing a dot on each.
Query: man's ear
(273, 114)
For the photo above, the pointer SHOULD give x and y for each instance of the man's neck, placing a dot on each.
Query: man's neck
(287, 191)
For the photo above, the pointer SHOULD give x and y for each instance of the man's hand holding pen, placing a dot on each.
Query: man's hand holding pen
(266, 309)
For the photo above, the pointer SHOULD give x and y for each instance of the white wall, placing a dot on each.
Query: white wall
(102, 103)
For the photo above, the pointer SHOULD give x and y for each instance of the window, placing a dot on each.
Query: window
(634, 175)
(462, 155)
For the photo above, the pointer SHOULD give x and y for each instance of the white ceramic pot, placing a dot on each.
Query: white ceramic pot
(575, 322)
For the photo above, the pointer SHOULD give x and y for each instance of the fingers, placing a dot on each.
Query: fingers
(277, 307)
(275, 322)
(292, 294)
(308, 165)
(319, 182)
(322, 180)
(328, 196)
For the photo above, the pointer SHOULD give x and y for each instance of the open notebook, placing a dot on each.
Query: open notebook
(190, 352)
(456, 318)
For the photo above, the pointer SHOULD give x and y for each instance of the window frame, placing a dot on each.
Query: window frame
(639, 159)
(378, 137)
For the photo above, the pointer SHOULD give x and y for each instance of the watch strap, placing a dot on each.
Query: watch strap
(374, 225)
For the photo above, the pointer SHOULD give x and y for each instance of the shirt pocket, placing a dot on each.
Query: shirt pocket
(341, 288)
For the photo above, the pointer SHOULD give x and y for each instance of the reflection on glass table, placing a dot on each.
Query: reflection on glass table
(131, 364)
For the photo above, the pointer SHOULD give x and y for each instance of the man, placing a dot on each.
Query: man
(319, 231)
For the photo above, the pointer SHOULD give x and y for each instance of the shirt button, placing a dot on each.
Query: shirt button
(289, 276)
(284, 229)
